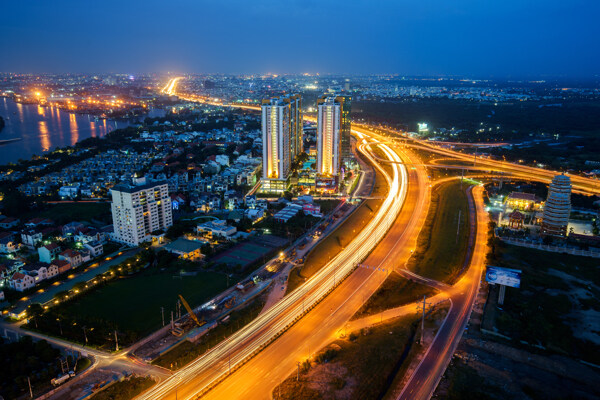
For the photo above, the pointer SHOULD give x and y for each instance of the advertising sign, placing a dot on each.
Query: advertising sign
(503, 276)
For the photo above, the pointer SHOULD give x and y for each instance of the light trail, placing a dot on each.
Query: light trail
(215, 364)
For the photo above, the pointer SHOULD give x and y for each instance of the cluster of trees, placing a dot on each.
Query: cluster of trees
(26, 359)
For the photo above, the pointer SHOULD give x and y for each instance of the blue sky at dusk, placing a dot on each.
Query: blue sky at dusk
(426, 37)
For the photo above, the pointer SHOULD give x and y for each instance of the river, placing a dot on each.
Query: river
(45, 128)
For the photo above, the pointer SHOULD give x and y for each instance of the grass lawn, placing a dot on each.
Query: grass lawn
(440, 253)
(340, 238)
(134, 303)
(64, 213)
(395, 291)
(124, 390)
(557, 304)
(359, 367)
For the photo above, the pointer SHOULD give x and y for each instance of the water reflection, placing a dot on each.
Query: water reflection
(44, 136)
(74, 129)
(41, 130)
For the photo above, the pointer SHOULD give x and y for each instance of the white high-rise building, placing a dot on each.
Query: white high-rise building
(138, 211)
(276, 145)
(329, 121)
(557, 209)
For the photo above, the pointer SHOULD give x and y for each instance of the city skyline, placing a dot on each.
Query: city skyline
(512, 39)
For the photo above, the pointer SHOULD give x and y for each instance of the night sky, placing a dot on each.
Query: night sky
(478, 38)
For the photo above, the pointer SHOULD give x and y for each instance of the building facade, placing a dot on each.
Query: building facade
(282, 140)
(558, 207)
(140, 210)
(329, 130)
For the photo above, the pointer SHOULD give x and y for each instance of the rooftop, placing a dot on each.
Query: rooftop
(134, 189)
(184, 245)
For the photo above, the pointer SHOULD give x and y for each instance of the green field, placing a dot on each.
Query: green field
(186, 351)
(133, 304)
(356, 368)
(440, 252)
(396, 291)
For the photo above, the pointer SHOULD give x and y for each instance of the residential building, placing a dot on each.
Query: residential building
(282, 140)
(62, 265)
(9, 222)
(73, 257)
(48, 252)
(21, 282)
(95, 248)
(140, 210)
(558, 207)
(38, 271)
(329, 126)
(51, 271)
(30, 238)
(7, 243)
(345, 126)
(216, 228)
(187, 249)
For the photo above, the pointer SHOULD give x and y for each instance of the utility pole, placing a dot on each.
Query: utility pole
(85, 336)
(116, 342)
(162, 313)
(30, 391)
(424, 309)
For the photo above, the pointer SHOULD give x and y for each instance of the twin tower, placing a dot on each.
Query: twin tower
(282, 137)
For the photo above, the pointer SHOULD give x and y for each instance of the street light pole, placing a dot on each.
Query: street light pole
(85, 336)
(162, 313)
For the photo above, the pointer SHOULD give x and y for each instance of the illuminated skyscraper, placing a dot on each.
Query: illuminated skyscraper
(558, 207)
(296, 125)
(345, 103)
(329, 129)
(282, 140)
(346, 129)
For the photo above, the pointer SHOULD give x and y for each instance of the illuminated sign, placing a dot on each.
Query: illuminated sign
(503, 276)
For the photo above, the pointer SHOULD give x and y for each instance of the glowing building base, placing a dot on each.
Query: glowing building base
(273, 185)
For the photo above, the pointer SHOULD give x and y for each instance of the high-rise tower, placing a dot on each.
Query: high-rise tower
(282, 140)
(345, 104)
(138, 211)
(329, 130)
(558, 207)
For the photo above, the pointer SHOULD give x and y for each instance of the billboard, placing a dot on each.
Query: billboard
(503, 276)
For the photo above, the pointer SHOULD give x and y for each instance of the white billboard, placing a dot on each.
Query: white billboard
(503, 276)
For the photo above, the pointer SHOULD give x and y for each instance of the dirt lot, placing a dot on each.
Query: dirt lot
(486, 369)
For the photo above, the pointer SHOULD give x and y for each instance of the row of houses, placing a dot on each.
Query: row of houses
(90, 177)
(27, 276)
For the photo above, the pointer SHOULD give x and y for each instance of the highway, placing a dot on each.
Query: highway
(263, 373)
(214, 365)
(257, 378)
(426, 377)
